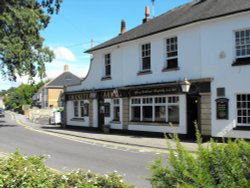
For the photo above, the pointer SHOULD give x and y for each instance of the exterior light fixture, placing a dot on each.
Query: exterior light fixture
(185, 85)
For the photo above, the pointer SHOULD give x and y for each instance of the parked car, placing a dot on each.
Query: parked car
(1, 112)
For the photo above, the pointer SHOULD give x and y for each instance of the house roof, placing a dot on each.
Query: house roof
(187, 14)
(65, 79)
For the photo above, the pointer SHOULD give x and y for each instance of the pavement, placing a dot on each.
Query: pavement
(151, 143)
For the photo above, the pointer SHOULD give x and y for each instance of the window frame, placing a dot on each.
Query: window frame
(172, 57)
(145, 57)
(241, 45)
(154, 104)
(116, 104)
(107, 65)
(76, 109)
(246, 109)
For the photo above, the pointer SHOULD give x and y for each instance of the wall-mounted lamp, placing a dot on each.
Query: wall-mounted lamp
(185, 85)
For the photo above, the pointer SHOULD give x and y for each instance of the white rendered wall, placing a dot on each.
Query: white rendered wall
(200, 48)
(218, 38)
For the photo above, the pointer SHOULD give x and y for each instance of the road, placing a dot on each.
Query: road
(73, 154)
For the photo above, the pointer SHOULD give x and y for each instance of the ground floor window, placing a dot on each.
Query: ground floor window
(80, 109)
(155, 109)
(116, 110)
(243, 109)
(76, 110)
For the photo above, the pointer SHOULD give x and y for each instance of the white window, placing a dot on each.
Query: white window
(146, 57)
(107, 65)
(155, 109)
(171, 52)
(116, 110)
(242, 41)
(243, 109)
(80, 109)
(76, 108)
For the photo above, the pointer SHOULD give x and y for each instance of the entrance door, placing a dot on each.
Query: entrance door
(193, 107)
(101, 117)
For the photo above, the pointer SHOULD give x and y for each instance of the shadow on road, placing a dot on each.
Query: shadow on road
(5, 125)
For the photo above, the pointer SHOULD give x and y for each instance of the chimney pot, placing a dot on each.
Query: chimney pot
(147, 15)
(66, 68)
(123, 26)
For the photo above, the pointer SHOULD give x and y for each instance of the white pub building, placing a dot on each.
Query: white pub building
(189, 64)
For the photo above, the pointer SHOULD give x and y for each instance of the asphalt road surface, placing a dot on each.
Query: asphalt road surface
(73, 154)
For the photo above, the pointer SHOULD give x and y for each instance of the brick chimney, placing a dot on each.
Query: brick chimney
(123, 27)
(147, 15)
(66, 68)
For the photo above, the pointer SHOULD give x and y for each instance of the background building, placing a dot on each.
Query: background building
(50, 94)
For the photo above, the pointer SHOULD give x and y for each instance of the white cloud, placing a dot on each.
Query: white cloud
(64, 54)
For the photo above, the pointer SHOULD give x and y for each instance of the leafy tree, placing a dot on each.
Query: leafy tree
(15, 98)
(21, 46)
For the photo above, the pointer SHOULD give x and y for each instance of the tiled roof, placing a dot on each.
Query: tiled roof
(65, 79)
(189, 13)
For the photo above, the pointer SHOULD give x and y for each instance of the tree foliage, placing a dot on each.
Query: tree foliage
(15, 98)
(21, 46)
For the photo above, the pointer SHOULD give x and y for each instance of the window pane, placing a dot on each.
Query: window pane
(76, 112)
(136, 113)
(146, 63)
(173, 114)
(117, 113)
(160, 113)
(147, 113)
(107, 109)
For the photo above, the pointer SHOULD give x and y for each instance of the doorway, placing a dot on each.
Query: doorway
(193, 112)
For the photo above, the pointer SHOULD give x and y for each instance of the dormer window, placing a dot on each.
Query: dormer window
(242, 47)
(171, 53)
(146, 57)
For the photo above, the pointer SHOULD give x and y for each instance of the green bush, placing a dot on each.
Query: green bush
(18, 171)
(221, 165)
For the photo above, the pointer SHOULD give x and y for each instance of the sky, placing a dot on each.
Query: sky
(70, 32)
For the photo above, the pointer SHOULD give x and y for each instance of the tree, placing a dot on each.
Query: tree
(15, 98)
(21, 46)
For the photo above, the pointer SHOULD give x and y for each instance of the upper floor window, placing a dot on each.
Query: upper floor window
(107, 62)
(171, 53)
(146, 57)
(242, 41)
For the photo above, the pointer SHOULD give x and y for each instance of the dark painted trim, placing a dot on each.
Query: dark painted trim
(242, 128)
(106, 78)
(165, 69)
(140, 73)
(241, 61)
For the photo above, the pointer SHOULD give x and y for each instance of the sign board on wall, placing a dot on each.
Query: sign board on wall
(222, 108)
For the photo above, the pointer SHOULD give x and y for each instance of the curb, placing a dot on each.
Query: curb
(165, 150)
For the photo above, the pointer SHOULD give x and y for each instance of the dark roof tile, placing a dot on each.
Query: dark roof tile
(183, 15)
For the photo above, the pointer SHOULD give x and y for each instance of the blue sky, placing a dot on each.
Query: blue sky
(69, 34)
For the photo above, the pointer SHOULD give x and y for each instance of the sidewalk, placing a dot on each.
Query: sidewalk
(139, 141)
